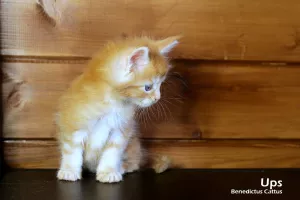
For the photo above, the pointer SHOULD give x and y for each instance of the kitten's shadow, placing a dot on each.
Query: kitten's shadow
(200, 100)
(169, 109)
(187, 88)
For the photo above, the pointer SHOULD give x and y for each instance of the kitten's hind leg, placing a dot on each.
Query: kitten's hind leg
(71, 162)
(133, 155)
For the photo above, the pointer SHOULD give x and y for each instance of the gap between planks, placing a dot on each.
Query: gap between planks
(82, 60)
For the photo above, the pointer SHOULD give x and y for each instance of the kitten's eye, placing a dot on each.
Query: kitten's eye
(148, 88)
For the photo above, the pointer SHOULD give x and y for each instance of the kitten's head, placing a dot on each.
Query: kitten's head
(141, 68)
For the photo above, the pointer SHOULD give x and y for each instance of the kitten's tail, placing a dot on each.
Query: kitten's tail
(159, 163)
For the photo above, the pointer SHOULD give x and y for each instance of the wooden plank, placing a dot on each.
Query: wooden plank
(184, 154)
(224, 100)
(243, 101)
(46, 83)
(223, 29)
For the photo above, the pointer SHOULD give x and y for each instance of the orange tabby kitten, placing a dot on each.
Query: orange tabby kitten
(96, 114)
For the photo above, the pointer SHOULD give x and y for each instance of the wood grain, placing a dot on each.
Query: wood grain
(184, 154)
(47, 82)
(224, 29)
(228, 100)
(223, 100)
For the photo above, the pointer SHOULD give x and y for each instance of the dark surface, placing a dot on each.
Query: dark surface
(173, 184)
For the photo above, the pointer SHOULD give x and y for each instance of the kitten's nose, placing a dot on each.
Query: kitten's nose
(156, 96)
(156, 99)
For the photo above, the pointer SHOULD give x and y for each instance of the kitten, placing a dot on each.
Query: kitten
(96, 114)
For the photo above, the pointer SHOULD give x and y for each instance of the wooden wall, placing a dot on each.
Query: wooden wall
(232, 103)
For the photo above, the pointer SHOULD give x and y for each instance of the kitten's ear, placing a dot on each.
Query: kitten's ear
(166, 45)
(138, 59)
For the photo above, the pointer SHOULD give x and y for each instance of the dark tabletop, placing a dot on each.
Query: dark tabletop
(173, 184)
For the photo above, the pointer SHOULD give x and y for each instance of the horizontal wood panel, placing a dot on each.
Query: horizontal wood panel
(184, 154)
(243, 101)
(44, 85)
(223, 29)
(223, 100)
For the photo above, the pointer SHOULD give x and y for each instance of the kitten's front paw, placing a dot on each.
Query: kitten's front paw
(109, 177)
(68, 175)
